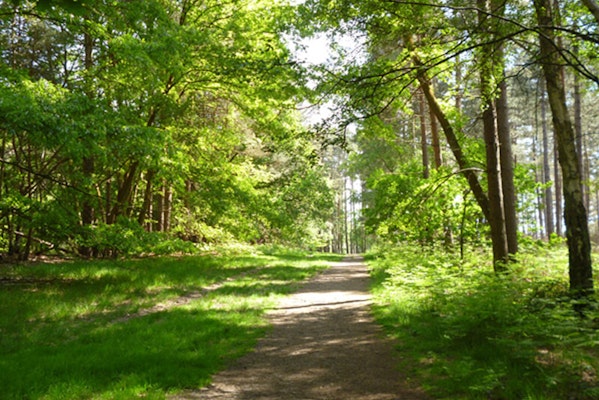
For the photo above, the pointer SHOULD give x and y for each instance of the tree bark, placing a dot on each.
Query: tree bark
(548, 197)
(436, 143)
(158, 210)
(168, 204)
(491, 137)
(507, 169)
(458, 83)
(466, 169)
(145, 208)
(88, 164)
(580, 145)
(495, 191)
(124, 193)
(423, 138)
(575, 214)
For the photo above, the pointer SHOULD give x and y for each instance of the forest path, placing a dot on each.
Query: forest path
(324, 345)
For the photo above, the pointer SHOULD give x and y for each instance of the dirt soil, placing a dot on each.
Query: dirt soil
(324, 345)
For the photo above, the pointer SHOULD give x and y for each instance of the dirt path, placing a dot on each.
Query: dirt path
(324, 345)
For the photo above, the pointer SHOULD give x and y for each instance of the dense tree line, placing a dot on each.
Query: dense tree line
(469, 118)
(124, 124)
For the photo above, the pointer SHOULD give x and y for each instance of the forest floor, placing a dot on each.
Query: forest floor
(324, 345)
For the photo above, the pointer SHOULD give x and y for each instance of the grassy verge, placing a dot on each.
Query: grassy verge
(465, 333)
(63, 336)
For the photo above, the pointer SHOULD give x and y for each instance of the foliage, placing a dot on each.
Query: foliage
(467, 333)
(404, 206)
(126, 238)
(177, 116)
(71, 329)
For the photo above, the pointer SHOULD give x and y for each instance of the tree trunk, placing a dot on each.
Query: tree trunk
(468, 172)
(580, 142)
(577, 233)
(548, 198)
(145, 208)
(507, 169)
(458, 84)
(423, 139)
(158, 210)
(88, 167)
(493, 166)
(168, 204)
(559, 200)
(87, 211)
(495, 191)
(124, 193)
(345, 217)
(435, 135)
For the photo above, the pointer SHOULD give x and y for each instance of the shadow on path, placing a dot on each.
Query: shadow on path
(324, 345)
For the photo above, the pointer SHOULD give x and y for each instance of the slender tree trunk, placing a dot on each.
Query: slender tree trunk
(423, 138)
(577, 233)
(124, 193)
(436, 143)
(458, 84)
(493, 166)
(578, 131)
(586, 173)
(345, 216)
(495, 191)
(87, 211)
(580, 140)
(158, 210)
(168, 204)
(548, 198)
(108, 201)
(559, 200)
(507, 169)
(145, 208)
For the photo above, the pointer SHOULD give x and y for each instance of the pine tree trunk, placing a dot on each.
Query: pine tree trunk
(559, 199)
(575, 215)
(495, 191)
(423, 139)
(436, 143)
(548, 197)
(88, 167)
(507, 170)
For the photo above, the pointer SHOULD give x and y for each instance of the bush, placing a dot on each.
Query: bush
(473, 334)
(127, 238)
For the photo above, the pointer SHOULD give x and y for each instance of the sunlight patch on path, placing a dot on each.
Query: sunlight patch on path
(324, 345)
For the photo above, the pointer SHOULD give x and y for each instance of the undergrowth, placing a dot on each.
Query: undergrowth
(466, 333)
(70, 330)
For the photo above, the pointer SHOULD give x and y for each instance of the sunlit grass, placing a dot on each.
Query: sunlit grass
(468, 334)
(65, 331)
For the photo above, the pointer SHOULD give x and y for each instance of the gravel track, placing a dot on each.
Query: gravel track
(324, 345)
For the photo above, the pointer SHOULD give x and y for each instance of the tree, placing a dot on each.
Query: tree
(497, 216)
(177, 117)
(575, 214)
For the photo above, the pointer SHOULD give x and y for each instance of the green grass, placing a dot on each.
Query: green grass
(465, 333)
(62, 335)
